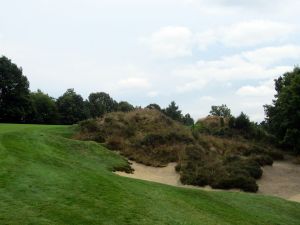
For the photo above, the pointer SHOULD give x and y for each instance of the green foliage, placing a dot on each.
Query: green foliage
(263, 160)
(14, 93)
(198, 167)
(71, 107)
(153, 106)
(173, 112)
(242, 122)
(101, 103)
(283, 117)
(44, 108)
(222, 111)
(188, 120)
(124, 106)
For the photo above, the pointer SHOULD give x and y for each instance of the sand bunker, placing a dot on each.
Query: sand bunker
(164, 175)
(282, 179)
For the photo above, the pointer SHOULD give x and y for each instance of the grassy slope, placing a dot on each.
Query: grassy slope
(46, 178)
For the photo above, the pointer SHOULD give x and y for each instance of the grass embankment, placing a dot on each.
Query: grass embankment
(46, 178)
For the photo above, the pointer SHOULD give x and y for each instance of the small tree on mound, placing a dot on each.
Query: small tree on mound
(153, 106)
(188, 120)
(242, 122)
(222, 110)
(173, 112)
(125, 106)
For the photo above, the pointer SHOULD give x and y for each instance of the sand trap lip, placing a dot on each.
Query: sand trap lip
(281, 180)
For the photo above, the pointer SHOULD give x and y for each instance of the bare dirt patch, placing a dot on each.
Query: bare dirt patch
(281, 180)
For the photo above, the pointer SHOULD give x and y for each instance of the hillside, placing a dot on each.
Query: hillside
(148, 136)
(47, 178)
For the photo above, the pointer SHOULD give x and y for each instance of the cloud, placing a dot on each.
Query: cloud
(177, 41)
(248, 65)
(169, 42)
(264, 89)
(207, 98)
(247, 33)
(271, 55)
(152, 94)
(254, 4)
(191, 86)
(133, 82)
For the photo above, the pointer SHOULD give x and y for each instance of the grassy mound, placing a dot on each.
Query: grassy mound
(149, 137)
(146, 135)
(48, 179)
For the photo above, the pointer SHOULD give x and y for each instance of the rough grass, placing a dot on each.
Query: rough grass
(146, 136)
(46, 178)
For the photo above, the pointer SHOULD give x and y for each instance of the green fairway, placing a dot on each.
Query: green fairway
(48, 178)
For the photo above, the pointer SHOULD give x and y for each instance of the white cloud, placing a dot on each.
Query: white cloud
(247, 33)
(178, 41)
(270, 55)
(152, 94)
(170, 42)
(133, 82)
(207, 98)
(264, 89)
(249, 65)
(191, 86)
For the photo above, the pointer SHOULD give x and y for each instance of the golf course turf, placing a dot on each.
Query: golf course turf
(48, 178)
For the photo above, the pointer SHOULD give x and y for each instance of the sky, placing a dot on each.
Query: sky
(198, 53)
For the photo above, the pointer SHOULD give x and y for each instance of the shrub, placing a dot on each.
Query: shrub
(89, 125)
(242, 122)
(276, 155)
(239, 181)
(114, 143)
(199, 179)
(178, 167)
(253, 168)
(254, 149)
(153, 140)
(124, 168)
(263, 159)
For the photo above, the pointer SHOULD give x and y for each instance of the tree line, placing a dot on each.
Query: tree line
(19, 105)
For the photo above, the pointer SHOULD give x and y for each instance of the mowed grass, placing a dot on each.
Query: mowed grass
(47, 178)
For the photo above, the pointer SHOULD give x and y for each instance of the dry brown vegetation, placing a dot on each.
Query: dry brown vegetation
(145, 135)
(149, 137)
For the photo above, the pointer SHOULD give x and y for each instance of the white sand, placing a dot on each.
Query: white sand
(282, 179)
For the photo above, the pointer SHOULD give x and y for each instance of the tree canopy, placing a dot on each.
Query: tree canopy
(101, 103)
(283, 116)
(221, 110)
(14, 92)
(124, 106)
(173, 111)
(44, 109)
(71, 107)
